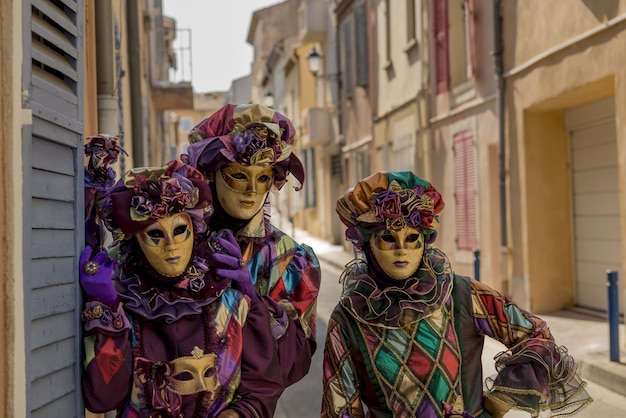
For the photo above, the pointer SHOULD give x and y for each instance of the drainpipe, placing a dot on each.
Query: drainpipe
(139, 148)
(500, 108)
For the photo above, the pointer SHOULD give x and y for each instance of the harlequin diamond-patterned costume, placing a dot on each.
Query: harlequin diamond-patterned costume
(412, 347)
(176, 333)
(286, 274)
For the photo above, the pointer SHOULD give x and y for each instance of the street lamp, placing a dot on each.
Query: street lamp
(314, 61)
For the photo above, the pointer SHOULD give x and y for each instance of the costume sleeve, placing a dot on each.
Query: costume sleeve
(107, 375)
(261, 383)
(296, 293)
(535, 374)
(341, 396)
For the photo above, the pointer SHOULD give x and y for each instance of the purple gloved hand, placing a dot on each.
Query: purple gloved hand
(224, 256)
(95, 276)
(278, 317)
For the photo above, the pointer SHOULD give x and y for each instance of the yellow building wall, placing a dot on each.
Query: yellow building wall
(556, 58)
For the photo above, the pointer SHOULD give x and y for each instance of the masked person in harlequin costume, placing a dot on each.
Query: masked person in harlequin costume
(245, 151)
(170, 328)
(406, 338)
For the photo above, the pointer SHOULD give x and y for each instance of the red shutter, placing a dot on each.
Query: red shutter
(440, 36)
(465, 191)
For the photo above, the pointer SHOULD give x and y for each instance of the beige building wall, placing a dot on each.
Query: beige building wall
(557, 58)
(401, 123)
(469, 105)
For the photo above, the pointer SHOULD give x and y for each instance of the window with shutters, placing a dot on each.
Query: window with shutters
(454, 28)
(465, 190)
(52, 77)
(360, 35)
(347, 57)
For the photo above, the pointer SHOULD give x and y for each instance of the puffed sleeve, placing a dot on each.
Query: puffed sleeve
(535, 374)
(107, 375)
(261, 383)
(287, 275)
(341, 396)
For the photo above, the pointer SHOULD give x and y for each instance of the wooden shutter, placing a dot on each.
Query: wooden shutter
(360, 35)
(347, 57)
(53, 203)
(440, 37)
(465, 191)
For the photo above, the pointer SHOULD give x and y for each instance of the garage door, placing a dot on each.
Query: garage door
(596, 212)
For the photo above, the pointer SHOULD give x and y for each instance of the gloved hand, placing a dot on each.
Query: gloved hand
(279, 320)
(95, 276)
(224, 256)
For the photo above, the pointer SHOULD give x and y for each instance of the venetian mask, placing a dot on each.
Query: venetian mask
(168, 244)
(242, 189)
(195, 373)
(398, 253)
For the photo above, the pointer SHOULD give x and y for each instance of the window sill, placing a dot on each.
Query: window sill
(411, 45)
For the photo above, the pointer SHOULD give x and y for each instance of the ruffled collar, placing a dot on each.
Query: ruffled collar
(196, 288)
(375, 302)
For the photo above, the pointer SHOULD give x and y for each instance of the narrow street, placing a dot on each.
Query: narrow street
(304, 398)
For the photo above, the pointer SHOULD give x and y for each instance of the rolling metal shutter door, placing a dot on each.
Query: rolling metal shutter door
(53, 171)
(595, 194)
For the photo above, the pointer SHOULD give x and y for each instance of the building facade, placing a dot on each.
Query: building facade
(566, 155)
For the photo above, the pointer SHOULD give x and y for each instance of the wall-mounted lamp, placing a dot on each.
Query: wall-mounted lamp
(268, 99)
(314, 61)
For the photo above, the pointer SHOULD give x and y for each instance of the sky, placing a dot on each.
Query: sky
(219, 28)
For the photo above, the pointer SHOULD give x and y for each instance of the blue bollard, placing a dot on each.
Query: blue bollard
(476, 252)
(613, 315)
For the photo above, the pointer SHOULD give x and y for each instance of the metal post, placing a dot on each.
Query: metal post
(476, 252)
(613, 315)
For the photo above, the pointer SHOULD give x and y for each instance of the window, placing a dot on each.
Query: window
(309, 168)
(360, 35)
(186, 124)
(347, 57)
(465, 190)
(387, 62)
(454, 41)
(410, 22)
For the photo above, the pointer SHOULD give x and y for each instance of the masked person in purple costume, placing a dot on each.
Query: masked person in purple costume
(406, 338)
(245, 151)
(171, 327)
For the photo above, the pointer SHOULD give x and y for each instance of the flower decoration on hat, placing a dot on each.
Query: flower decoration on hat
(248, 135)
(146, 194)
(390, 200)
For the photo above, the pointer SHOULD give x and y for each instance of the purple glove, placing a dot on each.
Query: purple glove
(95, 276)
(278, 317)
(224, 256)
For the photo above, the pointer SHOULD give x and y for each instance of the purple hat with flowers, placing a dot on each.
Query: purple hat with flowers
(146, 194)
(246, 134)
(390, 200)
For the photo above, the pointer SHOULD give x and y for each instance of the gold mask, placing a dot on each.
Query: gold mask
(195, 373)
(242, 189)
(398, 253)
(168, 244)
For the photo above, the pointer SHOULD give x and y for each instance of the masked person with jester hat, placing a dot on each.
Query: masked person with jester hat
(172, 326)
(245, 151)
(406, 338)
